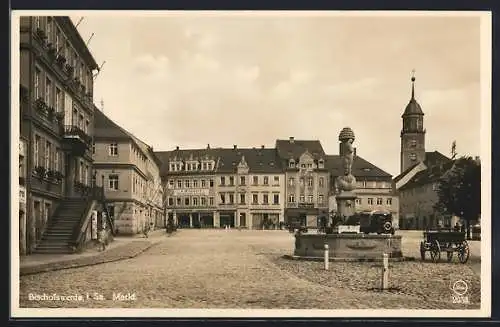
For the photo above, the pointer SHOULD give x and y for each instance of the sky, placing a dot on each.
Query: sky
(220, 79)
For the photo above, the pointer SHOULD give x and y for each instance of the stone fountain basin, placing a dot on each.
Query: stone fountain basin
(347, 246)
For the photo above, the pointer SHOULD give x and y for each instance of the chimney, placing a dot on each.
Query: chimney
(234, 146)
(262, 147)
(208, 146)
(291, 139)
(177, 147)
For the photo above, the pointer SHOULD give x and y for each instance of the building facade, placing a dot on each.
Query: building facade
(307, 181)
(130, 173)
(208, 188)
(374, 188)
(56, 118)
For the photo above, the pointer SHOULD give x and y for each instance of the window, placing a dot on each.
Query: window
(36, 85)
(58, 39)
(179, 184)
(309, 165)
(265, 199)
(276, 180)
(211, 201)
(195, 183)
(291, 164)
(113, 182)
(195, 201)
(291, 181)
(370, 201)
(231, 198)
(56, 159)
(302, 199)
(291, 198)
(301, 181)
(49, 30)
(303, 165)
(186, 201)
(48, 149)
(203, 201)
(320, 199)
(309, 181)
(170, 201)
(80, 122)
(388, 201)
(47, 210)
(171, 183)
(209, 166)
(203, 183)
(82, 69)
(266, 180)
(187, 183)
(231, 181)
(379, 201)
(222, 198)
(223, 180)
(48, 92)
(179, 201)
(113, 149)
(321, 182)
(242, 180)
(80, 172)
(358, 201)
(255, 198)
(321, 164)
(37, 151)
(204, 166)
(255, 180)
(276, 199)
(310, 199)
(242, 199)
(211, 183)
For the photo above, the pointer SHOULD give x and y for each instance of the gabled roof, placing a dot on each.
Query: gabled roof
(435, 158)
(293, 149)
(427, 176)
(227, 159)
(403, 174)
(105, 128)
(360, 167)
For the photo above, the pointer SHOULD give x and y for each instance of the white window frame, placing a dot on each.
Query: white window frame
(113, 150)
(113, 182)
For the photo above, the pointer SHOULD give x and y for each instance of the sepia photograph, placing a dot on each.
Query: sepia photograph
(251, 164)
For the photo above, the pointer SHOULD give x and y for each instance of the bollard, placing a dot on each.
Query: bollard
(326, 257)
(385, 271)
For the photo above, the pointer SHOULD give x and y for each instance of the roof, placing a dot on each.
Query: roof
(77, 40)
(105, 128)
(403, 174)
(227, 159)
(360, 167)
(413, 108)
(293, 149)
(435, 158)
(427, 176)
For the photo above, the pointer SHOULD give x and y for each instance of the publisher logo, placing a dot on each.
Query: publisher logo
(460, 289)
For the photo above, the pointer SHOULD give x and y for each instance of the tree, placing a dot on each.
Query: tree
(459, 190)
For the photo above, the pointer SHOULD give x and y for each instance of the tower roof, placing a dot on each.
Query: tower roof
(413, 108)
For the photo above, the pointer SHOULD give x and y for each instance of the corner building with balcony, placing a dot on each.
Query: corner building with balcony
(307, 181)
(129, 172)
(56, 122)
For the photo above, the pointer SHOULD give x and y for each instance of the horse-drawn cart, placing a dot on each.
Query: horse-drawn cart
(437, 241)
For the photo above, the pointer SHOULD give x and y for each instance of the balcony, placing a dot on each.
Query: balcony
(76, 139)
(48, 116)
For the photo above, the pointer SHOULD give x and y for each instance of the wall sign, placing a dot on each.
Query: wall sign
(191, 192)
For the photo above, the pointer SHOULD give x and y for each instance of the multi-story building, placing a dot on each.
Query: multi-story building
(189, 183)
(56, 118)
(223, 187)
(130, 173)
(307, 180)
(374, 189)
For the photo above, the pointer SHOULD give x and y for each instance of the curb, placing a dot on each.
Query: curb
(33, 270)
(318, 259)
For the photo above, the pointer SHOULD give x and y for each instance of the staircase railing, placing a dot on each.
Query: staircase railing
(80, 230)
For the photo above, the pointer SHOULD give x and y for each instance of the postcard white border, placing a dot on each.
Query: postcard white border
(484, 311)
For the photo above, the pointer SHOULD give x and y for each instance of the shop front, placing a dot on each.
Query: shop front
(227, 218)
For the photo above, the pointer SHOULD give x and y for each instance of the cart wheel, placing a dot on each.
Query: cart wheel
(422, 251)
(463, 252)
(435, 251)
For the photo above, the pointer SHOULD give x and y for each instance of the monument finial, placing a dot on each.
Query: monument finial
(413, 84)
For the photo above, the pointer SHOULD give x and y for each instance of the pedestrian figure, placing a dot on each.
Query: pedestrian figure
(102, 239)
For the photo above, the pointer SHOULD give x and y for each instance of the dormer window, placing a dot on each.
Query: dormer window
(303, 165)
(291, 163)
(321, 163)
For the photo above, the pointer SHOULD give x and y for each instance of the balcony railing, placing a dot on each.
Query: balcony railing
(72, 131)
(92, 191)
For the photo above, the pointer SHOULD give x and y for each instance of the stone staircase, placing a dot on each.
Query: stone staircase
(58, 236)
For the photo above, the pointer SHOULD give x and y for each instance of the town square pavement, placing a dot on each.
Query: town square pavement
(241, 269)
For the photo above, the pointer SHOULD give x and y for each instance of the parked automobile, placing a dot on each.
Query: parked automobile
(379, 222)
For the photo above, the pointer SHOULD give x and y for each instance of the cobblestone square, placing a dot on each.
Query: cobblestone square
(245, 269)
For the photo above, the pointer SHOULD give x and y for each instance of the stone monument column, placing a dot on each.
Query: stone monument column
(346, 183)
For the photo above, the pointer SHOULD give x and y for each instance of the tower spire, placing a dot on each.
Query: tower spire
(413, 84)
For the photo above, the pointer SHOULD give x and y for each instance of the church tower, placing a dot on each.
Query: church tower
(412, 133)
